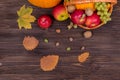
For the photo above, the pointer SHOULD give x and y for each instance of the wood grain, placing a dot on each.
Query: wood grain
(19, 64)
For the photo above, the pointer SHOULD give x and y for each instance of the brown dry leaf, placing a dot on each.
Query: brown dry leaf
(48, 63)
(83, 57)
(30, 43)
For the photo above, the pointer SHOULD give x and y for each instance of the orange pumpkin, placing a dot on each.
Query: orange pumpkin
(45, 3)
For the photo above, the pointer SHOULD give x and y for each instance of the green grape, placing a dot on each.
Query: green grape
(99, 13)
(96, 3)
(109, 14)
(105, 22)
(104, 18)
(102, 11)
(99, 2)
(109, 19)
(101, 18)
(98, 8)
(106, 13)
(106, 9)
(102, 8)
(103, 3)
(102, 14)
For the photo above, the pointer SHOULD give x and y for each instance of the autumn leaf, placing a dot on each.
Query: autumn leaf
(25, 18)
(49, 63)
(83, 57)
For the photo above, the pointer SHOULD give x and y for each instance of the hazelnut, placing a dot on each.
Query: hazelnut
(71, 8)
(87, 34)
(89, 12)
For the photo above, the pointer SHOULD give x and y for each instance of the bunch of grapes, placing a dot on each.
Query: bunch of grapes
(103, 11)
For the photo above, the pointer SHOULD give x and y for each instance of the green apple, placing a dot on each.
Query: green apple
(60, 13)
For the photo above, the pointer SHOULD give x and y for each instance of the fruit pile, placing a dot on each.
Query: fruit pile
(90, 15)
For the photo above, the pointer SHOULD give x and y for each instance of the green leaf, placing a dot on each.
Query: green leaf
(25, 18)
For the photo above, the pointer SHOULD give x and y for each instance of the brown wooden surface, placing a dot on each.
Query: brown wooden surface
(19, 64)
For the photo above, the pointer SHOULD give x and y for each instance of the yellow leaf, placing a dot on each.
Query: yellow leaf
(28, 18)
(25, 18)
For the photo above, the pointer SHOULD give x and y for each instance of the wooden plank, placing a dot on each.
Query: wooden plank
(19, 64)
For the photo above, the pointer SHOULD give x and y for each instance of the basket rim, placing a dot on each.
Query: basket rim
(87, 1)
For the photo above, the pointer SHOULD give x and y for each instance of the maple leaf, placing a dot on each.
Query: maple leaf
(25, 18)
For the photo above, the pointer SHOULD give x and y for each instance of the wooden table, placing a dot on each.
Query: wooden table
(18, 64)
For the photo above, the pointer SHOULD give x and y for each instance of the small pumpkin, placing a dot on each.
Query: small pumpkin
(84, 6)
(45, 3)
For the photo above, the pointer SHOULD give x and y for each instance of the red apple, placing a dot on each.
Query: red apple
(60, 13)
(78, 17)
(92, 21)
(44, 21)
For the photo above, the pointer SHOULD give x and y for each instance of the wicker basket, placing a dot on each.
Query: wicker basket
(72, 2)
